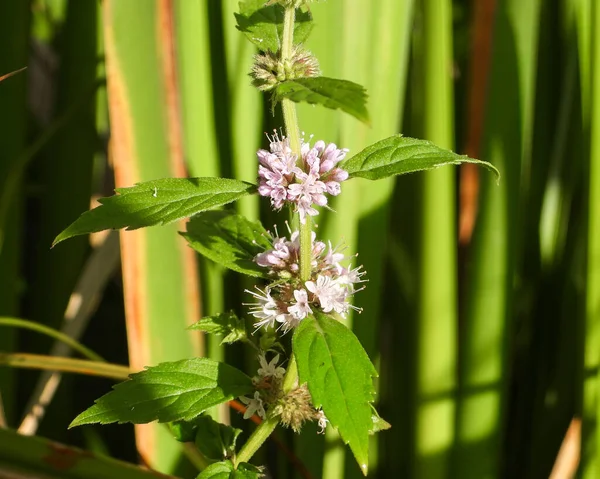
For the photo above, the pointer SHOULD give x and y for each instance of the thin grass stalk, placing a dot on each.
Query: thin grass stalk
(159, 271)
(14, 24)
(590, 464)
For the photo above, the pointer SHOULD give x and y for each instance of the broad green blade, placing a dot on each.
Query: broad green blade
(590, 460)
(159, 272)
(14, 25)
(201, 135)
(245, 108)
(437, 303)
(506, 144)
(35, 457)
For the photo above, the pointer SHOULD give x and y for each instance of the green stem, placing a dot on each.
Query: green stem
(256, 440)
(287, 42)
(305, 248)
(291, 124)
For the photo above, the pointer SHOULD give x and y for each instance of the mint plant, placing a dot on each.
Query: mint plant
(304, 285)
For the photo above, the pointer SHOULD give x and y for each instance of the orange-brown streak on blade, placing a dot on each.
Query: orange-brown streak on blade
(567, 460)
(8, 75)
(133, 246)
(174, 128)
(483, 22)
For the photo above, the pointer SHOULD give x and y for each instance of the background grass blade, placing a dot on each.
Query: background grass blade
(437, 316)
(159, 274)
(14, 24)
(590, 465)
(488, 297)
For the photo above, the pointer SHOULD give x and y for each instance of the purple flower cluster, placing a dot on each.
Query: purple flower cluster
(286, 303)
(304, 181)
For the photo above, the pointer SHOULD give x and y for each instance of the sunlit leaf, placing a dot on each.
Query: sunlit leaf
(398, 155)
(157, 202)
(173, 391)
(330, 92)
(339, 375)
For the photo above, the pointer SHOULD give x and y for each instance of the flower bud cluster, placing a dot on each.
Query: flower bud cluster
(283, 177)
(269, 69)
(294, 408)
(288, 300)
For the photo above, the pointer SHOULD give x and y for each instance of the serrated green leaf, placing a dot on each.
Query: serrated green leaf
(214, 440)
(229, 240)
(339, 374)
(157, 202)
(398, 155)
(225, 470)
(227, 324)
(263, 25)
(173, 391)
(330, 92)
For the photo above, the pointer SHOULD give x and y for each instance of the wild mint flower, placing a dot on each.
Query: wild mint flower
(331, 295)
(254, 406)
(300, 309)
(284, 259)
(267, 310)
(303, 181)
(270, 369)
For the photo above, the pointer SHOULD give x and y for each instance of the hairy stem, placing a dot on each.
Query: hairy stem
(266, 428)
(256, 440)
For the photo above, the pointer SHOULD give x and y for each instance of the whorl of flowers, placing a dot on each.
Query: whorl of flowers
(288, 300)
(283, 177)
(268, 69)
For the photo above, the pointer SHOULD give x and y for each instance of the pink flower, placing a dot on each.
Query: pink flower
(283, 177)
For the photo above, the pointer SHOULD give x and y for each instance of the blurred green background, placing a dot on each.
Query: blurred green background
(482, 310)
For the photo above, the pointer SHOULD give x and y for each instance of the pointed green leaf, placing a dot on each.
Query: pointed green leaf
(263, 25)
(398, 155)
(214, 440)
(330, 92)
(157, 202)
(174, 391)
(339, 375)
(227, 324)
(225, 470)
(229, 240)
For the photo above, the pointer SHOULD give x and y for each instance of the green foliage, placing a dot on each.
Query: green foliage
(225, 470)
(339, 374)
(229, 240)
(263, 25)
(329, 92)
(175, 391)
(214, 440)
(157, 202)
(399, 155)
(227, 324)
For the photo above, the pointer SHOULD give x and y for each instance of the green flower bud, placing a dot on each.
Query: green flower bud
(269, 70)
